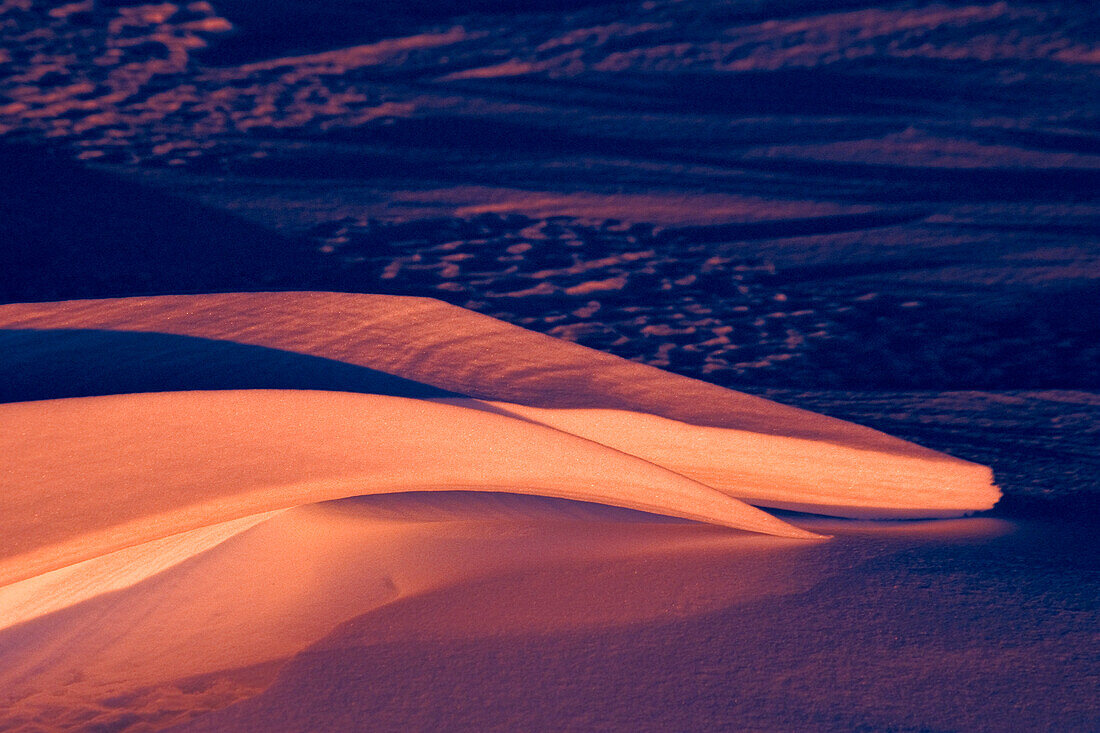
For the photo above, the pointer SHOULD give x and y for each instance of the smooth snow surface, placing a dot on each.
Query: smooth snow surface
(445, 346)
(58, 589)
(88, 476)
(268, 592)
(780, 471)
(750, 448)
(171, 551)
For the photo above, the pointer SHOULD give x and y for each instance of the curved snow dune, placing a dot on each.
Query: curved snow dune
(82, 477)
(67, 586)
(769, 454)
(219, 601)
(779, 471)
(451, 348)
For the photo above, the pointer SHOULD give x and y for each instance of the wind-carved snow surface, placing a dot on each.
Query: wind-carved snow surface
(135, 468)
(89, 469)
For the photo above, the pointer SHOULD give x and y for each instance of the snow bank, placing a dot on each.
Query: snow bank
(778, 471)
(761, 451)
(86, 476)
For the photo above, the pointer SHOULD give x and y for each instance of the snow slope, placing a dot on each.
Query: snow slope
(817, 476)
(747, 447)
(87, 476)
(169, 552)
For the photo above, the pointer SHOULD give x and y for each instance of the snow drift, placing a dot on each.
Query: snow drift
(749, 448)
(88, 476)
(167, 466)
